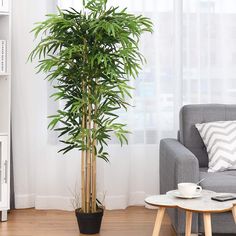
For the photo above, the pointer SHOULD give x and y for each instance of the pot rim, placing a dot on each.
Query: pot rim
(98, 211)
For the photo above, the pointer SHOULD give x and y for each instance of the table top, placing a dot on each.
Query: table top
(201, 204)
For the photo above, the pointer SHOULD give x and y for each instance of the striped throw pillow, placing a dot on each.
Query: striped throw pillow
(220, 140)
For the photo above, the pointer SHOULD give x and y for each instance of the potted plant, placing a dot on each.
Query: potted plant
(90, 55)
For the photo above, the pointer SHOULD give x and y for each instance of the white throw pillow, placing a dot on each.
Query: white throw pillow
(220, 140)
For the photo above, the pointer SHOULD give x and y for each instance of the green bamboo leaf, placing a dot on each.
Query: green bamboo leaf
(90, 56)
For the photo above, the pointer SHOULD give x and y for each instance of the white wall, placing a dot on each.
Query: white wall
(32, 163)
(24, 98)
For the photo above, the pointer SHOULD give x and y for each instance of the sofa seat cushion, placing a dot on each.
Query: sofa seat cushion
(224, 182)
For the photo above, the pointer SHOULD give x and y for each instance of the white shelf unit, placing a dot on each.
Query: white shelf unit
(5, 114)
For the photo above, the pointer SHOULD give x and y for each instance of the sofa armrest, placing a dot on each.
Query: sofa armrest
(177, 164)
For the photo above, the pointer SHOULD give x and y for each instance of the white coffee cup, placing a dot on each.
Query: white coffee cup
(189, 189)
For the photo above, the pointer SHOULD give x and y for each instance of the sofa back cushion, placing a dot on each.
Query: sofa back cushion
(193, 114)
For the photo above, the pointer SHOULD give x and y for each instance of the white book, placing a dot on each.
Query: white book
(3, 56)
(4, 5)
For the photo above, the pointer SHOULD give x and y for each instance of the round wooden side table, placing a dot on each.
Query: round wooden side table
(203, 204)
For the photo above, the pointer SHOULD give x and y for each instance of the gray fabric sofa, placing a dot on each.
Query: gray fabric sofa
(186, 160)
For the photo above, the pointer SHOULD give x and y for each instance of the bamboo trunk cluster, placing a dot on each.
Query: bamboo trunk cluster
(88, 157)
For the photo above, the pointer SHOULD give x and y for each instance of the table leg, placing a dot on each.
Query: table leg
(207, 224)
(188, 223)
(159, 218)
(234, 213)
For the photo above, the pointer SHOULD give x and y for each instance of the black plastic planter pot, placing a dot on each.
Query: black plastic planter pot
(89, 223)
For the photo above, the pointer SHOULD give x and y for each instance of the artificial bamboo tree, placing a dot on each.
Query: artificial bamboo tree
(90, 57)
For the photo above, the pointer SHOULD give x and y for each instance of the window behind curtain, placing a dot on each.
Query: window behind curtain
(208, 54)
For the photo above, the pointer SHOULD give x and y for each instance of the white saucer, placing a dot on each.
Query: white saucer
(176, 193)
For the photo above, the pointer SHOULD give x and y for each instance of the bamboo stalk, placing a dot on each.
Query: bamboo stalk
(88, 174)
(94, 170)
(87, 180)
(83, 161)
(83, 180)
(94, 161)
(88, 159)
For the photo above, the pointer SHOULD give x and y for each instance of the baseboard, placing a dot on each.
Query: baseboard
(43, 202)
(24, 201)
(64, 203)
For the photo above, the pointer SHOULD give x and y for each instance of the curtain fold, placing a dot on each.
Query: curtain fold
(191, 58)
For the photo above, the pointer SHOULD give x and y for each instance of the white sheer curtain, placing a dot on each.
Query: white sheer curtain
(191, 58)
